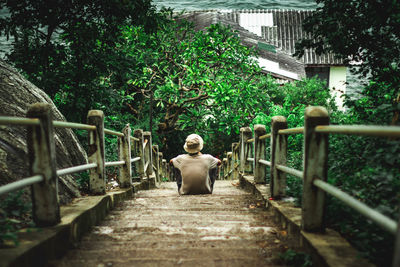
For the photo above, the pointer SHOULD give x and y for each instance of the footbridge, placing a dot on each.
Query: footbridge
(245, 222)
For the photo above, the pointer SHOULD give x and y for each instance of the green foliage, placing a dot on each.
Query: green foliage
(14, 214)
(296, 259)
(67, 48)
(366, 32)
(195, 81)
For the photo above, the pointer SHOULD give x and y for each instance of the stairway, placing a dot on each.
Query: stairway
(160, 228)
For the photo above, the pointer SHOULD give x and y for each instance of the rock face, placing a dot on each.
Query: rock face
(16, 95)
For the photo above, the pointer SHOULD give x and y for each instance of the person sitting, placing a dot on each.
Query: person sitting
(193, 170)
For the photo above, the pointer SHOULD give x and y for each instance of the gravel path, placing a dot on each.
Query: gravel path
(160, 228)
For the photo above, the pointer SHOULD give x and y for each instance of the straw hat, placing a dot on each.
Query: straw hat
(194, 143)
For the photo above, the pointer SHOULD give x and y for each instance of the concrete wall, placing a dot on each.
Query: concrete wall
(337, 84)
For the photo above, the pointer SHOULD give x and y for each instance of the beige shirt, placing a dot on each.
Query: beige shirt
(195, 172)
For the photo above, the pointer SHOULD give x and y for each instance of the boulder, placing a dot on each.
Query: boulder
(16, 95)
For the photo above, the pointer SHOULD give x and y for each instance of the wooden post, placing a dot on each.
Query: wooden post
(396, 252)
(42, 160)
(148, 155)
(259, 153)
(235, 161)
(225, 168)
(278, 156)
(245, 150)
(230, 165)
(161, 163)
(164, 169)
(97, 184)
(156, 162)
(315, 167)
(138, 152)
(124, 153)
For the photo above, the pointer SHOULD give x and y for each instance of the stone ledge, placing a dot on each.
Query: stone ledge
(326, 249)
(44, 244)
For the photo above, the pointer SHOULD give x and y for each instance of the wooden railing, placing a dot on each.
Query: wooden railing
(249, 154)
(137, 149)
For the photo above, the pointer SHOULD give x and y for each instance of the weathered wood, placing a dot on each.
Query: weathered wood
(396, 252)
(315, 166)
(156, 162)
(235, 160)
(224, 168)
(138, 152)
(245, 150)
(164, 169)
(278, 156)
(229, 163)
(160, 165)
(42, 160)
(97, 182)
(148, 155)
(259, 153)
(124, 153)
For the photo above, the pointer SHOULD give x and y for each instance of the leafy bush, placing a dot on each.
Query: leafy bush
(14, 215)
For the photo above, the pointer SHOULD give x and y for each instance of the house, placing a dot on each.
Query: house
(275, 32)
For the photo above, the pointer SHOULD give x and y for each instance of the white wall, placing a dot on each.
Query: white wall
(337, 84)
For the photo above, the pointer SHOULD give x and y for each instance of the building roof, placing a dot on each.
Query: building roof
(282, 29)
(273, 60)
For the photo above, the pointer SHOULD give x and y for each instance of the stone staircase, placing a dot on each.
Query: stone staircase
(160, 228)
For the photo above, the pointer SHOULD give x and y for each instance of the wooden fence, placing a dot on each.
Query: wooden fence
(248, 157)
(137, 149)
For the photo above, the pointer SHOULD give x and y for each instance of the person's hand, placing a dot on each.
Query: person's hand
(219, 163)
(170, 162)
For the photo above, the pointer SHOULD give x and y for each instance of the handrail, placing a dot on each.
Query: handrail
(11, 187)
(265, 162)
(47, 211)
(289, 170)
(315, 164)
(385, 131)
(298, 130)
(73, 125)
(114, 163)
(75, 169)
(382, 220)
(265, 136)
(135, 159)
(8, 120)
(107, 131)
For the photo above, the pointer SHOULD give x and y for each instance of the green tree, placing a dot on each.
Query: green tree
(367, 32)
(67, 47)
(203, 81)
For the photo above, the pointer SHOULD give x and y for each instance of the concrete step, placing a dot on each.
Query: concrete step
(161, 228)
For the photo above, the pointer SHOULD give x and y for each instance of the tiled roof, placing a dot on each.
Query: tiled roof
(280, 28)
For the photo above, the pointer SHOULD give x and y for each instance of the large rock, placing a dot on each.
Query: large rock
(16, 95)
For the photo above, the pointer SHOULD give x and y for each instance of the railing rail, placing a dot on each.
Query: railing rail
(76, 169)
(14, 186)
(314, 175)
(383, 131)
(41, 147)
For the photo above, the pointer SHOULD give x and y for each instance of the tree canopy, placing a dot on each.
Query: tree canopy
(67, 47)
(367, 33)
